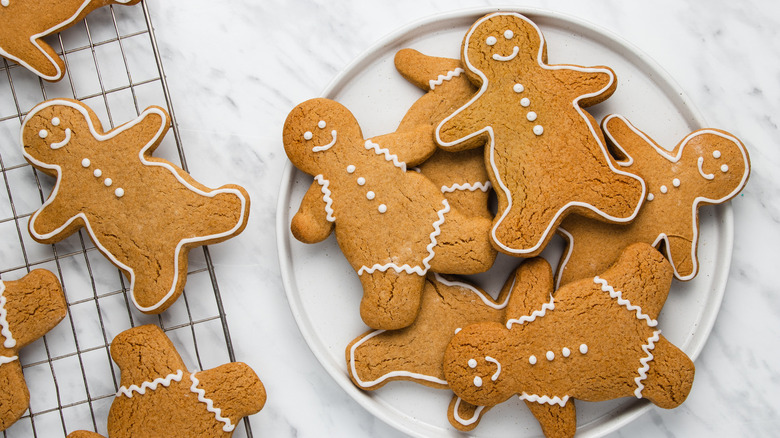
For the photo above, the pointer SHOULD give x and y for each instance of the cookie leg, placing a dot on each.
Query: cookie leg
(463, 415)
(670, 376)
(556, 421)
(614, 195)
(40, 58)
(220, 217)
(391, 299)
(464, 246)
(14, 395)
(157, 282)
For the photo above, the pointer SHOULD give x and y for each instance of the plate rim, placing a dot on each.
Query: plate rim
(664, 81)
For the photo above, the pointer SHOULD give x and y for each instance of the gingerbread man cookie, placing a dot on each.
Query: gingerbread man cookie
(545, 154)
(29, 308)
(462, 175)
(159, 397)
(595, 339)
(708, 166)
(26, 23)
(142, 212)
(393, 226)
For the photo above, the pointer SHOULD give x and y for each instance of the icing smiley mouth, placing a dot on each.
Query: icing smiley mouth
(325, 147)
(510, 57)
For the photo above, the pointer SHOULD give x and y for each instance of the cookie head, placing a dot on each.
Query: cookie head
(473, 365)
(500, 42)
(721, 161)
(315, 129)
(50, 131)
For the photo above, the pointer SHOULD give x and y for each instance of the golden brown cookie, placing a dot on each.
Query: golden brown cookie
(461, 175)
(159, 397)
(595, 339)
(29, 308)
(143, 213)
(545, 154)
(392, 225)
(708, 166)
(25, 23)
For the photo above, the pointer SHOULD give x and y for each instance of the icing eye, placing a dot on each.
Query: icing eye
(724, 168)
(55, 121)
(477, 381)
(508, 34)
(321, 124)
(472, 363)
(43, 133)
(716, 154)
(307, 135)
(491, 40)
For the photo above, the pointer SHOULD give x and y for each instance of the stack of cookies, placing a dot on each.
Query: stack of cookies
(409, 207)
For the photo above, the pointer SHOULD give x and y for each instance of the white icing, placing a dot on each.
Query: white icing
(544, 399)
(5, 330)
(550, 355)
(459, 419)
(490, 147)
(382, 208)
(187, 242)
(108, 182)
(650, 196)
(491, 40)
(8, 359)
(308, 135)
(645, 361)
(391, 374)
(477, 381)
(663, 189)
(505, 58)
(164, 381)
(351, 168)
(98, 173)
(119, 192)
(538, 129)
(64, 142)
(441, 78)
(532, 360)
(55, 121)
(471, 288)
(419, 270)
(326, 197)
(321, 124)
(498, 366)
(724, 168)
(566, 352)
(583, 348)
(370, 145)
(701, 170)
(325, 147)
(5, 3)
(676, 182)
(457, 330)
(484, 186)
(525, 102)
(472, 363)
(43, 133)
(518, 88)
(361, 181)
(508, 34)
(716, 154)
(531, 116)
(370, 195)
(228, 427)
(85, 162)
(536, 313)
(624, 302)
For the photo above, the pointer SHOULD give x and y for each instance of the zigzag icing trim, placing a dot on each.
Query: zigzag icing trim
(645, 361)
(426, 265)
(544, 399)
(326, 197)
(10, 342)
(440, 80)
(7, 359)
(228, 427)
(164, 381)
(370, 145)
(536, 313)
(624, 302)
(484, 186)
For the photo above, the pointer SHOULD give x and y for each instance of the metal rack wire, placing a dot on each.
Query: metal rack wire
(114, 65)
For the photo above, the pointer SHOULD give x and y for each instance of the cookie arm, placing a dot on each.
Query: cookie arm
(531, 293)
(146, 131)
(310, 224)
(411, 147)
(55, 220)
(424, 71)
(625, 140)
(463, 129)
(591, 85)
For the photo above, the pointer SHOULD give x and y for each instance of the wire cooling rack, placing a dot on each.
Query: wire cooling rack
(114, 66)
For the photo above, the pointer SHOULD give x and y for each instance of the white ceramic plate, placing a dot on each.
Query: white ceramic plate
(324, 292)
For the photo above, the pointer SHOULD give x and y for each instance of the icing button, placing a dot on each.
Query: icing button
(370, 195)
(518, 88)
(97, 173)
(538, 130)
(531, 116)
(532, 360)
(361, 181)
(676, 182)
(550, 355)
(119, 192)
(108, 182)
(382, 208)
(583, 348)
(525, 101)
(85, 162)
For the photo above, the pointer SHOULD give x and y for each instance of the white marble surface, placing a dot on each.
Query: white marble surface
(236, 69)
